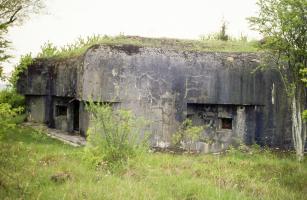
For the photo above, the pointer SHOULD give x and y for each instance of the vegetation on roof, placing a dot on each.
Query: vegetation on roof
(208, 43)
(205, 44)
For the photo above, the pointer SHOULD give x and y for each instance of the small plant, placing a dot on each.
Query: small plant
(24, 62)
(114, 135)
(47, 50)
(222, 33)
(187, 134)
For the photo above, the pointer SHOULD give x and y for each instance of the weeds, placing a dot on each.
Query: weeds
(11, 106)
(113, 135)
(31, 159)
(24, 62)
(81, 45)
(187, 135)
(11, 97)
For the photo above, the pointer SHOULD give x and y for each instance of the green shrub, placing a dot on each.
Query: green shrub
(7, 113)
(114, 135)
(187, 134)
(11, 105)
(24, 62)
(47, 50)
(10, 97)
(222, 33)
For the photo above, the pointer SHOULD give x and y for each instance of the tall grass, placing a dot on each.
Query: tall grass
(28, 160)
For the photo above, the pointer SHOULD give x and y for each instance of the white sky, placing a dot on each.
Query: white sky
(68, 19)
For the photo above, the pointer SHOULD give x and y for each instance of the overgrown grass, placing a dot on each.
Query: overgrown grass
(28, 160)
(203, 45)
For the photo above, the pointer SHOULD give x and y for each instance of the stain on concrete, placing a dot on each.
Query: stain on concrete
(164, 85)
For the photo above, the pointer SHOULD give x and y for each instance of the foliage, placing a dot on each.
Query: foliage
(77, 48)
(11, 104)
(1, 72)
(12, 98)
(80, 46)
(7, 113)
(221, 35)
(29, 160)
(305, 115)
(304, 80)
(47, 50)
(114, 136)
(187, 134)
(24, 62)
(303, 73)
(283, 26)
(4, 44)
(13, 12)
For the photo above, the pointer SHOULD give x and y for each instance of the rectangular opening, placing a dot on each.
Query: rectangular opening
(76, 115)
(226, 123)
(60, 110)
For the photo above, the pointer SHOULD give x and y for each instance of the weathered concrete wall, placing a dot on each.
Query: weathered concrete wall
(84, 118)
(160, 83)
(35, 108)
(62, 114)
(57, 82)
(51, 77)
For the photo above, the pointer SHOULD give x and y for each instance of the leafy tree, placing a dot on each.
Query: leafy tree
(304, 79)
(13, 12)
(283, 24)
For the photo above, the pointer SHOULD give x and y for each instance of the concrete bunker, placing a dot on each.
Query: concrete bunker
(165, 86)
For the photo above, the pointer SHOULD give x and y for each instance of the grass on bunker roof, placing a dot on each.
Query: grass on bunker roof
(81, 45)
(29, 159)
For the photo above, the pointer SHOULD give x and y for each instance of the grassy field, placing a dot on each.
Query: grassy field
(33, 166)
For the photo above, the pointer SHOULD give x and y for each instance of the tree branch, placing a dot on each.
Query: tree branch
(12, 18)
